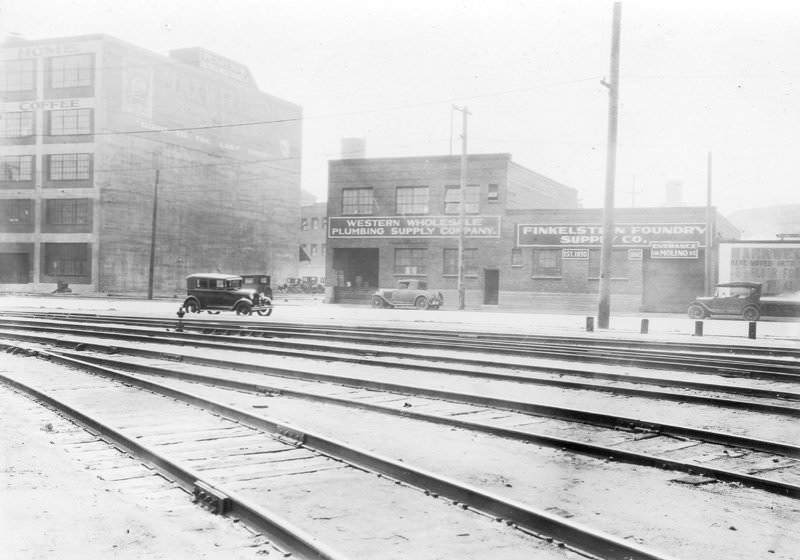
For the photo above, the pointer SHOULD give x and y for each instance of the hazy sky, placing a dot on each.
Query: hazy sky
(696, 77)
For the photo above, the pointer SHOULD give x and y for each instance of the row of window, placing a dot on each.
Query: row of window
(60, 122)
(313, 249)
(57, 211)
(314, 223)
(58, 167)
(546, 262)
(76, 70)
(416, 200)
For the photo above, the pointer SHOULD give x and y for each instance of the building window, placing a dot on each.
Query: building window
(547, 262)
(410, 261)
(450, 259)
(19, 211)
(324, 223)
(323, 249)
(67, 211)
(304, 224)
(357, 201)
(516, 257)
(69, 167)
(71, 71)
(412, 200)
(18, 75)
(494, 193)
(16, 168)
(17, 125)
(314, 223)
(452, 199)
(314, 249)
(70, 121)
(66, 259)
(619, 263)
(304, 256)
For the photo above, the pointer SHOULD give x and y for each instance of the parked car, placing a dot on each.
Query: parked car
(215, 292)
(258, 282)
(733, 298)
(408, 294)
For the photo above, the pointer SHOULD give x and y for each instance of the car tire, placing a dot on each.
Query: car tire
(421, 302)
(265, 312)
(378, 303)
(697, 312)
(244, 309)
(751, 313)
(192, 307)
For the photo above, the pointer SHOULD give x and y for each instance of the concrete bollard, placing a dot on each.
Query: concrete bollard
(589, 324)
(751, 330)
(698, 328)
(645, 326)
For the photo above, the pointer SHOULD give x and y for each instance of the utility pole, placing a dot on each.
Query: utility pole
(461, 205)
(604, 305)
(709, 231)
(153, 239)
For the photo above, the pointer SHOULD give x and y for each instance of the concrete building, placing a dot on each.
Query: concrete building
(313, 244)
(96, 131)
(526, 242)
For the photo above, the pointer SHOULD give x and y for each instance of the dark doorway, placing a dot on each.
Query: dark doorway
(670, 285)
(355, 274)
(491, 286)
(15, 268)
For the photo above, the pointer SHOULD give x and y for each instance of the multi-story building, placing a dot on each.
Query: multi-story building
(109, 150)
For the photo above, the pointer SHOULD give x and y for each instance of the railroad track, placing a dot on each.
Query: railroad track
(752, 462)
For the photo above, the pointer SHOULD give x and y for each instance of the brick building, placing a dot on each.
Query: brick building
(95, 130)
(313, 243)
(526, 240)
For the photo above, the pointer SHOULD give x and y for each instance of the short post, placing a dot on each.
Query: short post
(181, 313)
(698, 328)
(645, 326)
(751, 329)
(589, 324)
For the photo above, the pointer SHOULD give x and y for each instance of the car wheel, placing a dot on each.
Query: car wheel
(377, 303)
(244, 309)
(192, 307)
(697, 312)
(265, 312)
(421, 302)
(751, 313)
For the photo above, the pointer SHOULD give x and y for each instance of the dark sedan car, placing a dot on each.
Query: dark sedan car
(215, 292)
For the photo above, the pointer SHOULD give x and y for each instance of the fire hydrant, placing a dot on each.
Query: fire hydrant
(181, 313)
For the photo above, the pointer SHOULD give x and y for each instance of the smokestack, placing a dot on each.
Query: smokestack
(354, 148)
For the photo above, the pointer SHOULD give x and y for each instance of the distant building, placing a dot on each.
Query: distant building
(312, 240)
(773, 263)
(89, 125)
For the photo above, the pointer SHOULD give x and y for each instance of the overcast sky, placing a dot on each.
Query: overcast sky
(696, 77)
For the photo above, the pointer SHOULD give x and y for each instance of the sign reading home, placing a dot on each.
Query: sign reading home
(625, 235)
(407, 226)
(669, 250)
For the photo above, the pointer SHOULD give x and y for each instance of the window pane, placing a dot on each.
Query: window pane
(412, 200)
(71, 121)
(452, 199)
(16, 125)
(66, 259)
(67, 211)
(16, 168)
(18, 75)
(19, 211)
(71, 71)
(357, 201)
(450, 259)
(547, 262)
(70, 167)
(409, 261)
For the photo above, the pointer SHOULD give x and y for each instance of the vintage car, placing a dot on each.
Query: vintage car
(409, 293)
(733, 298)
(259, 282)
(215, 292)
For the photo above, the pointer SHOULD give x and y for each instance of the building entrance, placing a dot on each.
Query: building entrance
(491, 286)
(355, 274)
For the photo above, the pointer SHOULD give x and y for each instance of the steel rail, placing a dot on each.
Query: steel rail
(766, 408)
(455, 370)
(540, 522)
(297, 349)
(594, 450)
(311, 330)
(279, 530)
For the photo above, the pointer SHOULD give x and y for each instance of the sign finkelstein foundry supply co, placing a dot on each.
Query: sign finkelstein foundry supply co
(625, 235)
(413, 226)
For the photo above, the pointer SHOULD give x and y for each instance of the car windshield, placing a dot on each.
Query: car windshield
(732, 291)
(233, 284)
